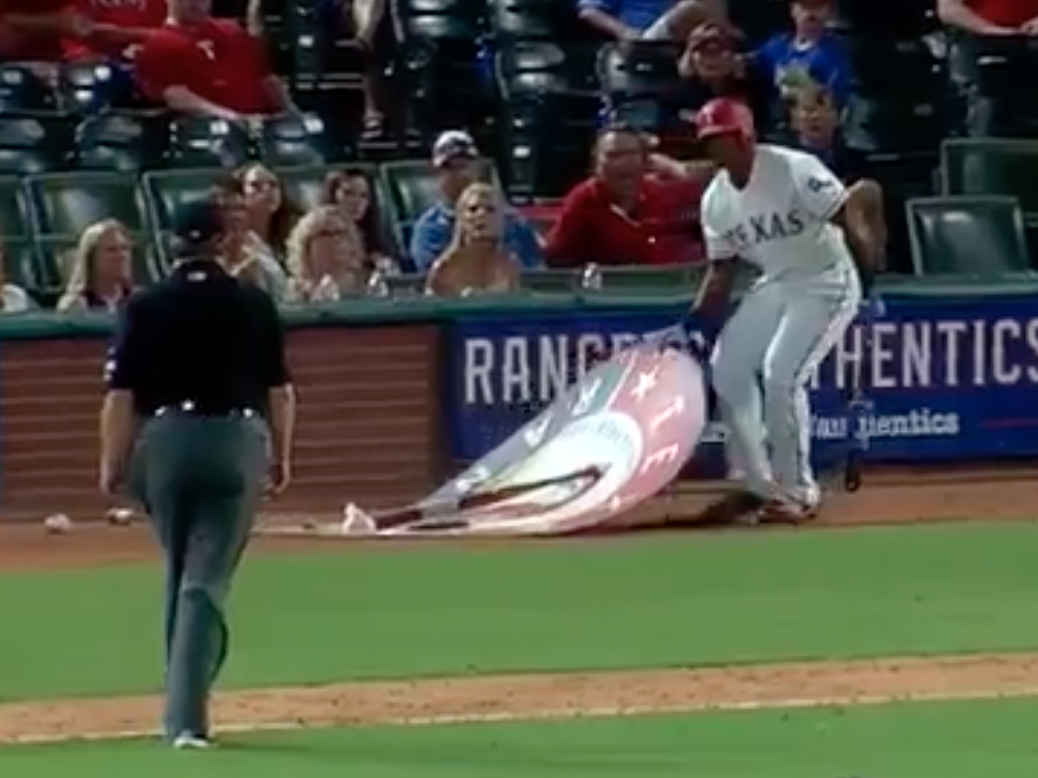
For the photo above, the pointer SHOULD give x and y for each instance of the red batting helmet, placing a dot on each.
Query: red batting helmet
(725, 116)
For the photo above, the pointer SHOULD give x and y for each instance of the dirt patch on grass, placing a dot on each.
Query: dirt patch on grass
(573, 695)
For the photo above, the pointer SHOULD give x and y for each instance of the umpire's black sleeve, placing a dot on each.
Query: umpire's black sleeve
(126, 365)
(273, 365)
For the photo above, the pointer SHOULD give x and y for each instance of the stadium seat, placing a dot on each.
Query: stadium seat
(55, 256)
(992, 167)
(22, 90)
(292, 141)
(166, 190)
(64, 204)
(121, 141)
(33, 144)
(973, 235)
(22, 268)
(907, 19)
(14, 211)
(440, 67)
(411, 187)
(758, 20)
(201, 142)
(88, 87)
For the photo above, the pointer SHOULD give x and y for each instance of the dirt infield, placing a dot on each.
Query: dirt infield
(890, 498)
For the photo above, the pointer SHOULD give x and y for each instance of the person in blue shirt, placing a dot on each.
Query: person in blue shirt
(625, 20)
(456, 160)
(810, 53)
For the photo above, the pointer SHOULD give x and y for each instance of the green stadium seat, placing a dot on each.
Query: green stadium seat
(983, 236)
(14, 212)
(410, 187)
(981, 167)
(303, 185)
(22, 266)
(55, 255)
(166, 190)
(64, 204)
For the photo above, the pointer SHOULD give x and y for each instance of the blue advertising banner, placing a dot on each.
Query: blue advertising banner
(949, 380)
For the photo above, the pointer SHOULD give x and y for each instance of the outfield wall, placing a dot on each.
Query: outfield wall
(394, 393)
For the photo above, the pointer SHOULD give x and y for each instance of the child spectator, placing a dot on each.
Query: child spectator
(712, 67)
(325, 257)
(815, 123)
(350, 191)
(271, 214)
(102, 269)
(245, 255)
(196, 64)
(456, 161)
(810, 53)
(638, 208)
(477, 260)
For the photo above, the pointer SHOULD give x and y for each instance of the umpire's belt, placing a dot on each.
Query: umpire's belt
(192, 408)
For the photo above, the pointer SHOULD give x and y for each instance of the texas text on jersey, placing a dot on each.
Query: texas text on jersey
(780, 221)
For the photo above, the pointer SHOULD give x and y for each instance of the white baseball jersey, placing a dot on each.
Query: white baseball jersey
(780, 220)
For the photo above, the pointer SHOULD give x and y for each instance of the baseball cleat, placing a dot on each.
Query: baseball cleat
(357, 522)
(735, 507)
(192, 741)
(785, 510)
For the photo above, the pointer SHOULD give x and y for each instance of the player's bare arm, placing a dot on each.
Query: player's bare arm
(864, 248)
(716, 289)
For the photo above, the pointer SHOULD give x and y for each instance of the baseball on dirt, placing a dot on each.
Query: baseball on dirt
(57, 523)
(120, 517)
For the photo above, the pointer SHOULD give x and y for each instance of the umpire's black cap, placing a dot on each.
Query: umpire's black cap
(196, 224)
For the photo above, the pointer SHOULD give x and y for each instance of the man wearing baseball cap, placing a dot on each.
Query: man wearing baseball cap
(198, 414)
(457, 163)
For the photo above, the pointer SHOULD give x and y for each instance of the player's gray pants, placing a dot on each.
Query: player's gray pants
(201, 480)
(761, 364)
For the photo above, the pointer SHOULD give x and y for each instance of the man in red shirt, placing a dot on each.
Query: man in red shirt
(991, 17)
(199, 65)
(33, 30)
(120, 26)
(638, 208)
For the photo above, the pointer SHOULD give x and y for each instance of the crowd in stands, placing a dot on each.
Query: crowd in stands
(534, 134)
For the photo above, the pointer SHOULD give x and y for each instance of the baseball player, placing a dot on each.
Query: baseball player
(784, 212)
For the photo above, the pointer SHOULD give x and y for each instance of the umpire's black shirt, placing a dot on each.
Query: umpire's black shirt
(199, 337)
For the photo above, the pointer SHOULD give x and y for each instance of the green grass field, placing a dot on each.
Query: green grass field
(640, 602)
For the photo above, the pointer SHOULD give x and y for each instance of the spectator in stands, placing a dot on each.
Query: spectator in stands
(990, 17)
(13, 299)
(36, 30)
(625, 20)
(638, 208)
(325, 257)
(712, 67)
(477, 260)
(119, 28)
(271, 214)
(102, 269)
(203, 66)
(350, 191)
(245, 255)
(810, 53)
(456, 160)
(815, 123)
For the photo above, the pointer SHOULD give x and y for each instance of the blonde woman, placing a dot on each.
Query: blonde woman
(476, 261)
(13, 299)
(326, 257)
(101, 277)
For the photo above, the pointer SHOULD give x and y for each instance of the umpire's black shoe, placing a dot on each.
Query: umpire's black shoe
(733, 508)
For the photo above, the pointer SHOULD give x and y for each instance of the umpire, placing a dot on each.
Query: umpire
(197, 420)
